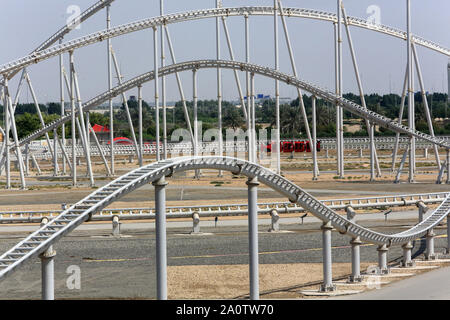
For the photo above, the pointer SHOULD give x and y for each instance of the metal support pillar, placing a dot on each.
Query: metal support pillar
(6, 138)
(448, 165)
(314, 138)
(400, 168)
(400, 117)
(277, 83)
(141, 139)
(253, 237)
(196, 129)
(356, 244)
(372, 151)
(236, 75)
(422, 210)
(27, 159)
(8, 106)
(61, 93)
(219, 85)
(407, 260)
(411, 115)
(48, 270)
(447, 251)
(163, 86)
(55, 153)
(156, 71)
(161, 244)
(358, 80)
(382, 259)
(73, 123)
(247, 81)
(180, 87)
(429, 252)
(327, 284)
(425, 104)
(294, 71)
(111, 109)
(125, 102)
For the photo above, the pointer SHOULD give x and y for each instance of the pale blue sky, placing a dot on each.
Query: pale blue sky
(26, 23)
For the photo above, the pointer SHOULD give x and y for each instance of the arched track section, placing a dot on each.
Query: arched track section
(86, 14)
(271, 73)
(69, 219)
(99, 36)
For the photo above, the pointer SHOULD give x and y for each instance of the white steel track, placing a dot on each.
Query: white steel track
(68, 220)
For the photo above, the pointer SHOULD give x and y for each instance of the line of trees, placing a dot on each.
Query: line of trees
(291, 120)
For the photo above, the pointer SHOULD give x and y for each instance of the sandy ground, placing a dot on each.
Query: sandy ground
(277, 281)
(231, 281)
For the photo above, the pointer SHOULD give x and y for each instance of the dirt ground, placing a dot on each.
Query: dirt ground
(232, 281)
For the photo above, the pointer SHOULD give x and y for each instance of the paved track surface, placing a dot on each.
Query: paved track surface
(125, 267)
(433, 285)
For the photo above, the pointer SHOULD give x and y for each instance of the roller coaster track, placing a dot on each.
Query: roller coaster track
(252, 68)
(381, 143)
(99, 36)
(86, 14)
(82, 211)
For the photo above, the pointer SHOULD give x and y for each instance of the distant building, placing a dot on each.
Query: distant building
(101, 132)
(133, 98)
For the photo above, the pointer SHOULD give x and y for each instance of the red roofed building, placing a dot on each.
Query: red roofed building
(102, 132)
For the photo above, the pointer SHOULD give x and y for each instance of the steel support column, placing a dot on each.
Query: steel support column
(61, 93)
(327, 284)
(407, 261)
(429, 252)
(111, 108)
(156, 81)
(163, 86)
(447, 251)
(73, 123)
(219, 85)
(356, 244)
(48, 271)
(277, 83)
(141, 145)
(372, 150)
(161, 244)
(411, 116)
(253, 237)
(314, 138)
(382, 259)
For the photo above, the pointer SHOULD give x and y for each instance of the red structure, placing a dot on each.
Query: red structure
(293, 146)
(122, 141)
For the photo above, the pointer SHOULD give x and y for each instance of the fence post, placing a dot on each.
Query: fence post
(116, 226)
(275, 223)
(196, 223)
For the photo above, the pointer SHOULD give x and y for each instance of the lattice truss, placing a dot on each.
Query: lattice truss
(65, 155)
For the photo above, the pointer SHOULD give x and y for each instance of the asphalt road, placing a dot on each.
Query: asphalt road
(125, 267)
(433, 285)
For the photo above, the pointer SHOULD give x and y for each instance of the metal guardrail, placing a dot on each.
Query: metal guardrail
(384, 143)
(230, 209)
